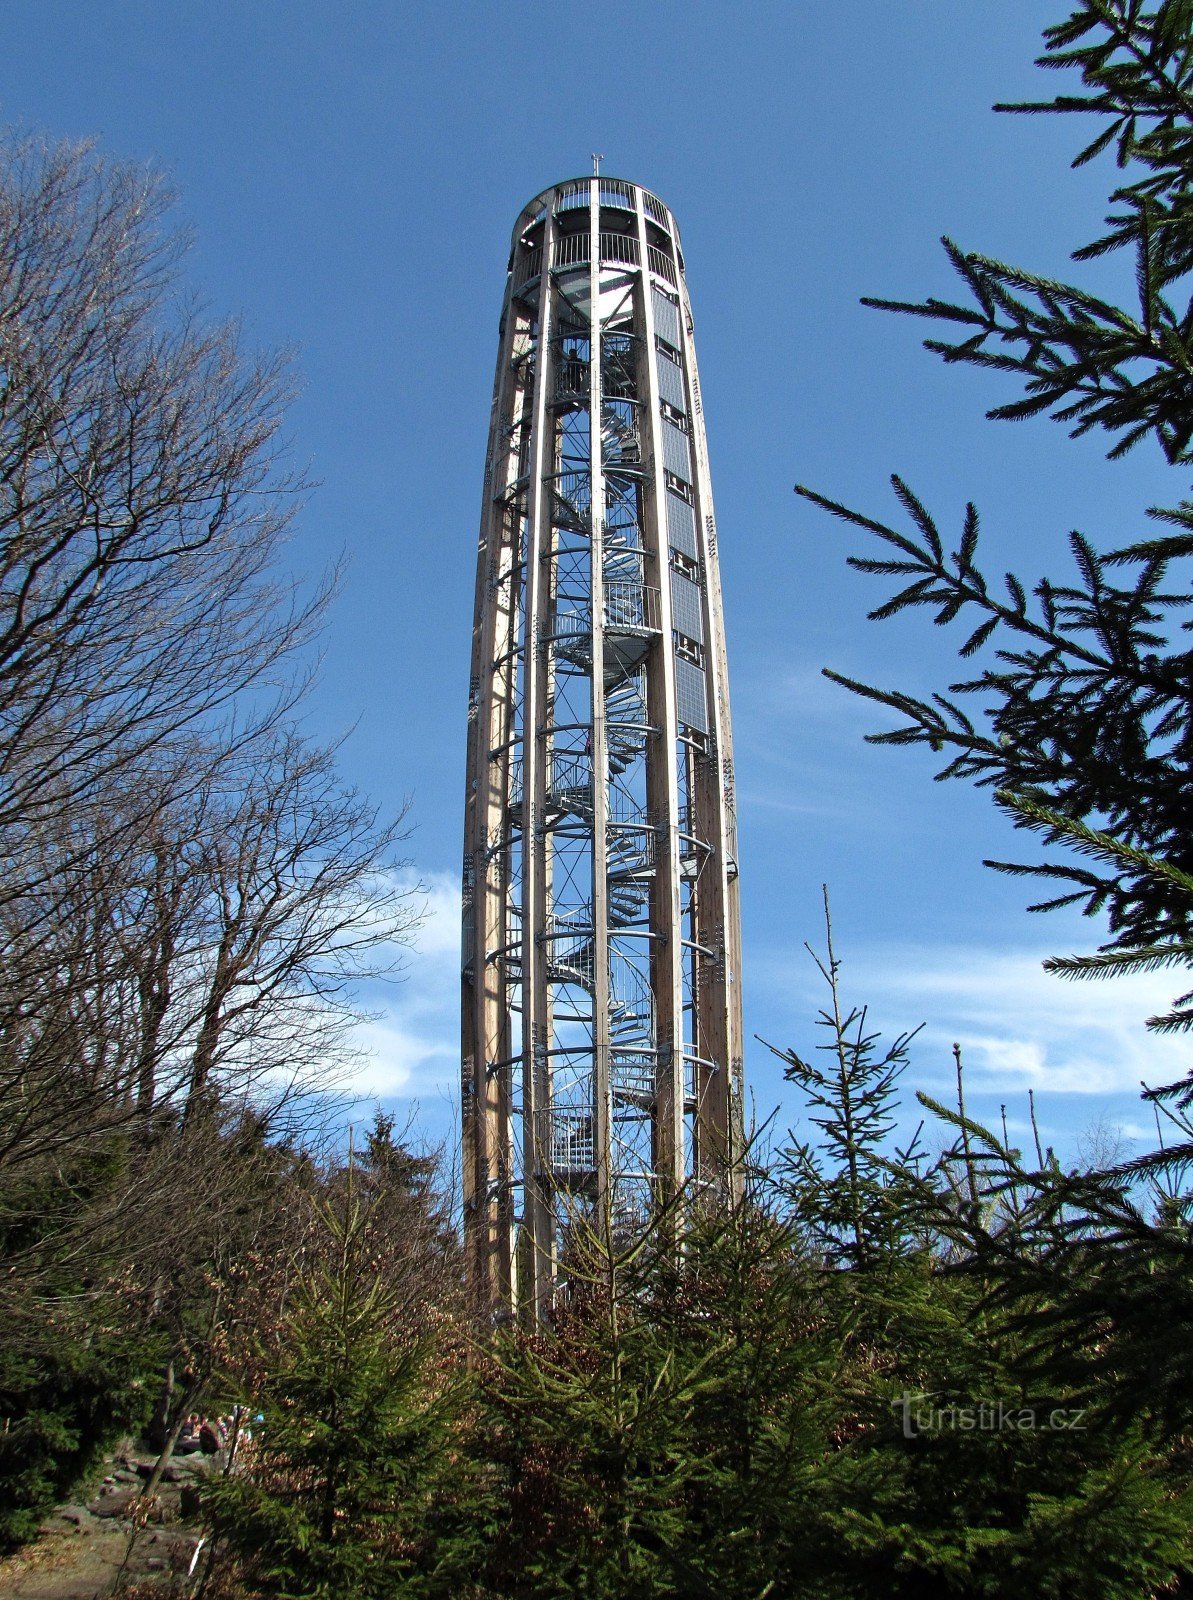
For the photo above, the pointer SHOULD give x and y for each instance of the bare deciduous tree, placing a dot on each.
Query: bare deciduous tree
(188, 892)
(142, 504)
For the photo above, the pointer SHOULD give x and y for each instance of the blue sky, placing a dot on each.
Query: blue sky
(351, 172)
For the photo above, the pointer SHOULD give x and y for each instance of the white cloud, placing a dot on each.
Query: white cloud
(804, 694)
(1019, 1027)
(1017, 1022)
(1138, 1132)
(409, 1049)
(439, 935)
(779, 799)
(798, 738)
(397, 1061)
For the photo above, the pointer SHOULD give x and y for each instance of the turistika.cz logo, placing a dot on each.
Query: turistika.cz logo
(920, 1416)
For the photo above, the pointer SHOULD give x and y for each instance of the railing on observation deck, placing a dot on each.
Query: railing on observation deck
(617, 249)
(528, 267)
(660, 263)
(572, 196)
(573, 249)
(615, 193)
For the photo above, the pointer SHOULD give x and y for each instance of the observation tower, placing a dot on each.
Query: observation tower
(602, 1038)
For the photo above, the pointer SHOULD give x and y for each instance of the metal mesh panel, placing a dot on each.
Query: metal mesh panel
(677, 455)
(686, 610)
(666, 318)
(681, 525)
(691, 701)
(671, 383)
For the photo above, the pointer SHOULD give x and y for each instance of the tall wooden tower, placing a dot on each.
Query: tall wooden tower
(601, 952)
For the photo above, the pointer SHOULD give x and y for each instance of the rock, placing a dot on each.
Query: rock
(171, 1472)
(114, 1504)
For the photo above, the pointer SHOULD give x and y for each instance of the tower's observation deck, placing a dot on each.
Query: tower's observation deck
(601, 950)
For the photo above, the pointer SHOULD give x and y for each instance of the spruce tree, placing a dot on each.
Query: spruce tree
(982, 1449)
(1082, 701)
(652, 1441)
(968, 1363)
(339, 1489)
(838, 1182)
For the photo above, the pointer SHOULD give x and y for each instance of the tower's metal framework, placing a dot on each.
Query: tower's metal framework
(601, 950)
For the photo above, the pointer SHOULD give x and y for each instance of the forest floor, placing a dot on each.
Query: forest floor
(107, 1544)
